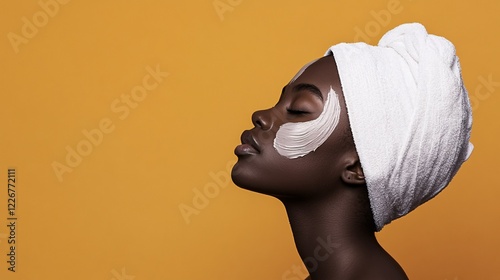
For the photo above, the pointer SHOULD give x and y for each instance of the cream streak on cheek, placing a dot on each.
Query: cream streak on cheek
(294, 140)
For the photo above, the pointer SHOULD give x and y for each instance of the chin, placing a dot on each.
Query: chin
(247, 180)
(242, 177)
(251, 181)
(237, 178)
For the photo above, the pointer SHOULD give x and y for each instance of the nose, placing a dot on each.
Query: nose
(262, 119)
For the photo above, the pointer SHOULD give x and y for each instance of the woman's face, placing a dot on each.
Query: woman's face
(263, 169)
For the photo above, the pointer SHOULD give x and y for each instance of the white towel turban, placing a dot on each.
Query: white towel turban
(410, 116)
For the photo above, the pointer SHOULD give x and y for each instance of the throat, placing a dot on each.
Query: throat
(333, 239)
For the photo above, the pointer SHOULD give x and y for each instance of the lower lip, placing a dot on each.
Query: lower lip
(245, 149)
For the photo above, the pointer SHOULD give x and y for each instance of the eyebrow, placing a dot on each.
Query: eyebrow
(309, 87)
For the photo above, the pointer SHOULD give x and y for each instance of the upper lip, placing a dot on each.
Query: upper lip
(247, 138)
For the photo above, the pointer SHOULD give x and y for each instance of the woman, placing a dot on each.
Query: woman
(358, 138)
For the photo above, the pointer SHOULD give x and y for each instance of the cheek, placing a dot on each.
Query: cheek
(294, 140)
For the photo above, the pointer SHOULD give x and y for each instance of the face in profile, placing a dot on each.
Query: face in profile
(273, 158)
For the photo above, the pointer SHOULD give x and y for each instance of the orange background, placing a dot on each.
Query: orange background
(116, 214)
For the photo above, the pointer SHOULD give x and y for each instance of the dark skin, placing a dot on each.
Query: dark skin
(324, 192)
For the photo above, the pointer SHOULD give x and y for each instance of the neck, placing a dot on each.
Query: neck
(331, 234)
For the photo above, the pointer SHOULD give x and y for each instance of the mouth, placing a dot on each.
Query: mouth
(248, 145)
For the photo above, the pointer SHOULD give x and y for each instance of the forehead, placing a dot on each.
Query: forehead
(302, 70)
(321, 72)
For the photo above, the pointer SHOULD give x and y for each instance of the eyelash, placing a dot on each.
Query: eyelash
(296, 112)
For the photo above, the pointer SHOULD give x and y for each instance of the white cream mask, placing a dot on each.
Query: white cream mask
(295, 140)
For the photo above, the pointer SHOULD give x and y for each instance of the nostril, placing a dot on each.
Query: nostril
(258, 119)
(258, 123)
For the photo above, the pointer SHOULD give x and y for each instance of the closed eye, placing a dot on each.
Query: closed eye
(296, 112)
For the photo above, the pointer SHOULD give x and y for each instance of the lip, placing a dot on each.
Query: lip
(248, 145)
